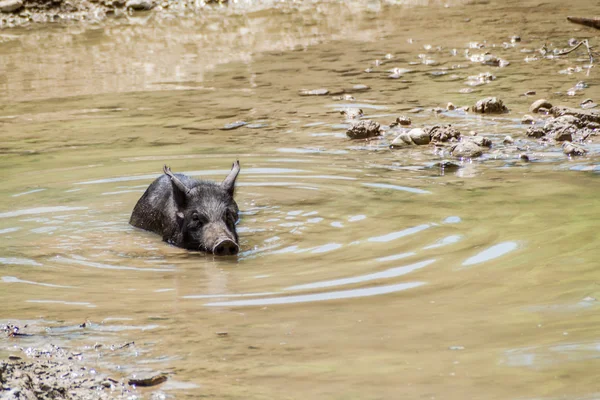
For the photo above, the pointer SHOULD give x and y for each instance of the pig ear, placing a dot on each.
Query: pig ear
(229, 182)
(180, 191)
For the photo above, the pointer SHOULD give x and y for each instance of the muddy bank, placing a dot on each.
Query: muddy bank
(24, 12)
(50, 371)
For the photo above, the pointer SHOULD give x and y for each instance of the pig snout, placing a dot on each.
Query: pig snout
(226, 247)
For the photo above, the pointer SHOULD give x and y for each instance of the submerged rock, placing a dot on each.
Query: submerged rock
(442, 133)
(364, 129)
(490, 105)
(541, 103)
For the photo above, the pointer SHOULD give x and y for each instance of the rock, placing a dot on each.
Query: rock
(489, 59)
(490, 105)
(508, 140)
(583, 115)
(562, 134)
(573, 150)
(529, 93)
(415, 136)
(352, 113)
(536, 105)
(140, 5)
(588, 103)
(527, 120)
(450, 107)
(481, 141)
(466, 149)
(401, 120)
(536, 132)
(442, 133)
(360, 88)
(515, 39)
(364, 129)
(481, 79)
(10, 5)
(314, 92)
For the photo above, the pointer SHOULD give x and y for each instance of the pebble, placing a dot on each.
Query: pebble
(450, 107)
(508, 140)
(527, 120)
(490, 105)
(466, 149)
(364, 129)
(571, 149)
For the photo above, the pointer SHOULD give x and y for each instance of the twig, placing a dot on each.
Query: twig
(583, 42)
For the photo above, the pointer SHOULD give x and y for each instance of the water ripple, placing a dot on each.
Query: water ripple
(396, 235)
(344, 294)
(396, 187)
(388, 273)
(491, 253)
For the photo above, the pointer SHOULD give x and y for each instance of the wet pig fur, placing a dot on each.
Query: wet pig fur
(190, 213)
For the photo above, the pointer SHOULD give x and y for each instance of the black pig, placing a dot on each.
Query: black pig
(190, 213)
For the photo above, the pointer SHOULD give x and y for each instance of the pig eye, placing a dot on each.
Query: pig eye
(195, 217)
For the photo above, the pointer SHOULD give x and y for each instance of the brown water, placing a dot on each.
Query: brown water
(365, 273)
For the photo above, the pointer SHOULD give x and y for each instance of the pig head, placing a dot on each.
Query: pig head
(189, 213)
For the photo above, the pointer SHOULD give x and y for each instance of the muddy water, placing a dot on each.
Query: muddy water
(365, 272)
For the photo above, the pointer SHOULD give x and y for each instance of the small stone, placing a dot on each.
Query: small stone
(140, 5)
(450, 107)
(364, 129)
(541, 103)
(360, 88)
(529, 93)
(571, 149)
(403, 120)
(419, 136)
(352, 113)
(508, 140)
(535, 132)
(524, 157)
(490, 105)
(527, 120)
(481, 141)
(443, 133)
(314, 92)
(515, 39)
(222, 334)
(10, 5)
(466, 149)
(562, 134)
